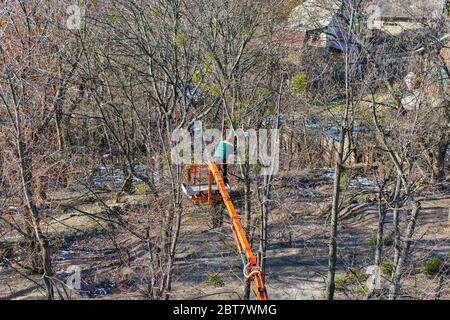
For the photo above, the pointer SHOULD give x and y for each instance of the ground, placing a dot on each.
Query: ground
(207, 265)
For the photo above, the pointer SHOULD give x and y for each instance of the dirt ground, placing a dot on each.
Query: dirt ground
(208, 267)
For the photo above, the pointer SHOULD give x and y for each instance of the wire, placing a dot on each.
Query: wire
(248, 276)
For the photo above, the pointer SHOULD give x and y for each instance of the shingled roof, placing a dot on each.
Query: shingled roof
(317, 14)
(313, 14)
(410, 9)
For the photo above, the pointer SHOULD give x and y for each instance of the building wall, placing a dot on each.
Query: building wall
(362, 153)
(291, 38)
(395, 28)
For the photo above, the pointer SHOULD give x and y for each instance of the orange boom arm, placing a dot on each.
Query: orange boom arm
(252, 271)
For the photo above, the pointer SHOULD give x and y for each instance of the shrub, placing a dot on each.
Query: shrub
(387, 267)
(257, 167)
(352, 277)
(262, 92)
(214, 280)
(388, 242)
(141, 188)
(339, 282)
(431, 266)
(372, 241)
(196, 79)
(362, 290)
(213, 90)
(190, 220)
(355, 276)
(112, 18)
(180, 39)
(151, 13)
(300, 82)
(269, 111)
(364, 198)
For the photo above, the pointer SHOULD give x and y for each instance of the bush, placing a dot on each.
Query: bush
(387, 267)
(300, 82)
(364, 198)
(372, 241)
(352, 277)
(214, 280)
(431, 267)
(213, 89)
(269, 111)
(190, 220)
(356, 276)
(339, 282)
(152, 13)
(362, 290)
(180, 39)
(142, 188)
(257, 167)
(388, 242)
(112, 18)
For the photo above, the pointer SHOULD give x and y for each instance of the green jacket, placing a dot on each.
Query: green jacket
(224, 150)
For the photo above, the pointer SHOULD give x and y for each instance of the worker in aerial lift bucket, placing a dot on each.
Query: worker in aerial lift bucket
(223, 153)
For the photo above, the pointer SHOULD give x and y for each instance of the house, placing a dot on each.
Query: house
(396, 16)
(312, 19)
(293, 39)
(438, 71)
(323, 23)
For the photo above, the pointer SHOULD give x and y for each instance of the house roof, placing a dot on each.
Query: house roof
(409, 9)
(313, 14)
(317, 14)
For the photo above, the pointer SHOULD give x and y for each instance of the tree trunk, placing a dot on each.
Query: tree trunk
(380, 233)
(439, 159)
(264, 223)
(394, 290)
(379, 246)
(173, 247)
(396, 220)
(247, 215)
(332, 247)
(26, 183)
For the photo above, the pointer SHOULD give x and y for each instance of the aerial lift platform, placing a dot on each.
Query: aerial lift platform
(215, 189)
